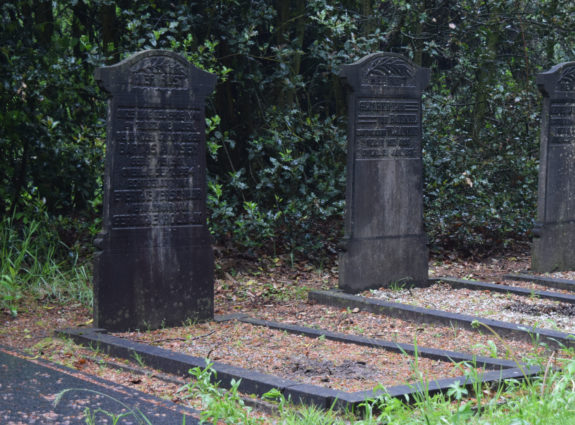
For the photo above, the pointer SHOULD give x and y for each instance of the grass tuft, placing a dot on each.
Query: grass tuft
(29, 266)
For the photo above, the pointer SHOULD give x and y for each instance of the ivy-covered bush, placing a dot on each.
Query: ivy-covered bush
(291, 188)
(277, 119)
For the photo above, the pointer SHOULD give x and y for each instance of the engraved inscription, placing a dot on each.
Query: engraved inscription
(387, 129)
(156, 180)
(159, 73)
(155, 219)
(562, 123)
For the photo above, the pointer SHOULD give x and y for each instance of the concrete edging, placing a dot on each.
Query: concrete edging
(482, 286)
(552, 282)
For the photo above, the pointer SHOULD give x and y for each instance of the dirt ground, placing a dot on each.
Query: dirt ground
(272, 289)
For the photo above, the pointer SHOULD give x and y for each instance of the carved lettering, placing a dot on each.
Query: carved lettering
(170, 195)
(158, 207)
(155, 183)
(562, 123)
(129, 113)
(156, 219)
(165, 149)
(156, 171)
(392, 126)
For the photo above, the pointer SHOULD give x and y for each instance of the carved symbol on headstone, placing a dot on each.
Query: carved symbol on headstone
(567, 80)
(158, 72)
(388, 71)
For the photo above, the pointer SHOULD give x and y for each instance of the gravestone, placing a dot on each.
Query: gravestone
(384, 241)
(155, 262)
(554, 233)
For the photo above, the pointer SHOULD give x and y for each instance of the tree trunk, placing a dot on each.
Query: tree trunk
(109, 36)
(44, 23)
(486, 73)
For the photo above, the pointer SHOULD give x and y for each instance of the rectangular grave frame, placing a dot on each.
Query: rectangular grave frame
(336, 298)
(552, 282)
(258, 383)
(482, 286)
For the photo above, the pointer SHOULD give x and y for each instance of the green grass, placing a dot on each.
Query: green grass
(29, 266)
(542, 400)
(94, 416)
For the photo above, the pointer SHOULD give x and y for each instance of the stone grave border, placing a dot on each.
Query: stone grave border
(339, 299)
(481, 286)
(551, 282)
(258, 383)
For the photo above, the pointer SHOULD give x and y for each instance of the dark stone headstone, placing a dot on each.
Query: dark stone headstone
(554, 233)
(384, 238)
(155, 265)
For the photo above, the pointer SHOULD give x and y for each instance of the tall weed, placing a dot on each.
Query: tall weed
(29, 265)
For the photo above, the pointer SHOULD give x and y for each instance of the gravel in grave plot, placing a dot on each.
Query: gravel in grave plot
(330, 364)
(521, 310)
(427, 335)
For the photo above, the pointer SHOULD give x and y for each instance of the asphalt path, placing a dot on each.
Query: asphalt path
(29, 389)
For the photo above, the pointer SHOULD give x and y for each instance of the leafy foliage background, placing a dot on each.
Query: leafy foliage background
(277, 120)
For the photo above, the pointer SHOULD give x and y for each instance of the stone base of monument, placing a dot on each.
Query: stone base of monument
(383, 262)
(553, 248)
(254, 382)
(153, 287)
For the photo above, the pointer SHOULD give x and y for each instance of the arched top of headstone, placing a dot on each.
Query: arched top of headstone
(380, 73)
(559, 81)
(156, 70)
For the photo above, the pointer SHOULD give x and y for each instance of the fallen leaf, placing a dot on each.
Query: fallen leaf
(80, 363)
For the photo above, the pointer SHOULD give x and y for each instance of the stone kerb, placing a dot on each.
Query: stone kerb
(554, 233)
(155, 264)
(384, 238)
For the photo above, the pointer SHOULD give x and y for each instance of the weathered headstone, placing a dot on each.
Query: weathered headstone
(554, 233)
(384, 241)
(155, 265)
